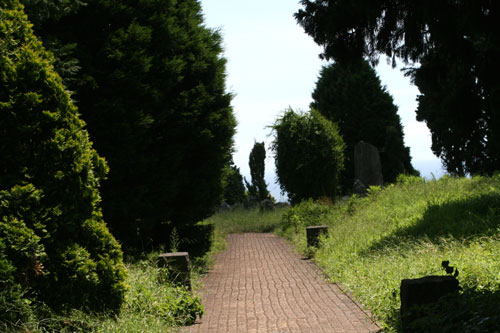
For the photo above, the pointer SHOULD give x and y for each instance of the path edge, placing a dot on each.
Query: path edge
(351, 296)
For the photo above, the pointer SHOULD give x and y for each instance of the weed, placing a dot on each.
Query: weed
(174, 240)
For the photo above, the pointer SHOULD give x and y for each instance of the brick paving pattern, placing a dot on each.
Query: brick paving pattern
(258, 284)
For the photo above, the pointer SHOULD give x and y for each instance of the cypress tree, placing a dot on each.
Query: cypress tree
(53, 239)
(454, 43)
(256, 162)
(234, 190)
(352, 96)
(152, 91)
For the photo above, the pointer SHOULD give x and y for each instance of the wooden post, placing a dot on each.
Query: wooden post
(313, 234)
(178, 267)
(424, 291)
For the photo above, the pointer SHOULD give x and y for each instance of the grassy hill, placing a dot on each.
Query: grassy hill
(405, 231)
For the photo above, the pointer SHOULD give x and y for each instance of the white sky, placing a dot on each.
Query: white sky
(272, 64)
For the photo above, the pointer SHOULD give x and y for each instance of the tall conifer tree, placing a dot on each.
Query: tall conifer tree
(351, 95)
(256, 162)
(152, 90)
(455, 43)
(53, 238)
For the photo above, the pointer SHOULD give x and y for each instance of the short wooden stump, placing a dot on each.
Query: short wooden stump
(313, 234)
(178, 267)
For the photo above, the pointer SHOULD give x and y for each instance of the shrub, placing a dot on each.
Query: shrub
(55, 245)
(308, 154)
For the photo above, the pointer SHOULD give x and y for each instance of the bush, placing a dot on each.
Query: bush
(308, 154)
(55, 246)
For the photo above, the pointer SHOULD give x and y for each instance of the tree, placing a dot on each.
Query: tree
(308, 151)
(152, 91)
(352, 95)
(256, 161)
(41, 12)
(458, 115)
(234, 190)
(54, 245)
(459, 39)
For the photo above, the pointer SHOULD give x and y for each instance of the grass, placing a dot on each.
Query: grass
(402, 231)
(405, 231)
(240, 220)
(151, 305)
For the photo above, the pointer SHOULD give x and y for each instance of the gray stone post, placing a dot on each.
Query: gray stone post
(178, 267)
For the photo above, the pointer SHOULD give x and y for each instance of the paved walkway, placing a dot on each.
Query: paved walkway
(258, 284)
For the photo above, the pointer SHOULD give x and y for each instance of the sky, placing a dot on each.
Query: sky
(272, 64)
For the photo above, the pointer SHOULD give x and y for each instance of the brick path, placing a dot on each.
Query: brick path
(258, 284)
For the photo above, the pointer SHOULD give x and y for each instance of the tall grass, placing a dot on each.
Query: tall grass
(405, 231)
(152, 304)
(239, 220)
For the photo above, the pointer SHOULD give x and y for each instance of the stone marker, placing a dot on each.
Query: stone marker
(250, 202)
(224, 207)
(367, 166)
(424, 291)
(313, 234)
(267, 205)
(178, 267)
(359, 188)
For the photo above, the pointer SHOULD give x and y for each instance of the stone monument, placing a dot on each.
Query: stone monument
(367, 166)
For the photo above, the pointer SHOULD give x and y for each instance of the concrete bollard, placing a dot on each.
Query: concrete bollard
(178, 267)
(313, 234)
(424, 291)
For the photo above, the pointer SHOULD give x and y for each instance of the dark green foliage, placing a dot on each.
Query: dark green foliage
(256, 161)
(13, 306)
(41, 11)
(351, 95)
(152, 91)
(308, 155)
(54, 242)
(462, 117)
(234, 190)
(457, 44)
